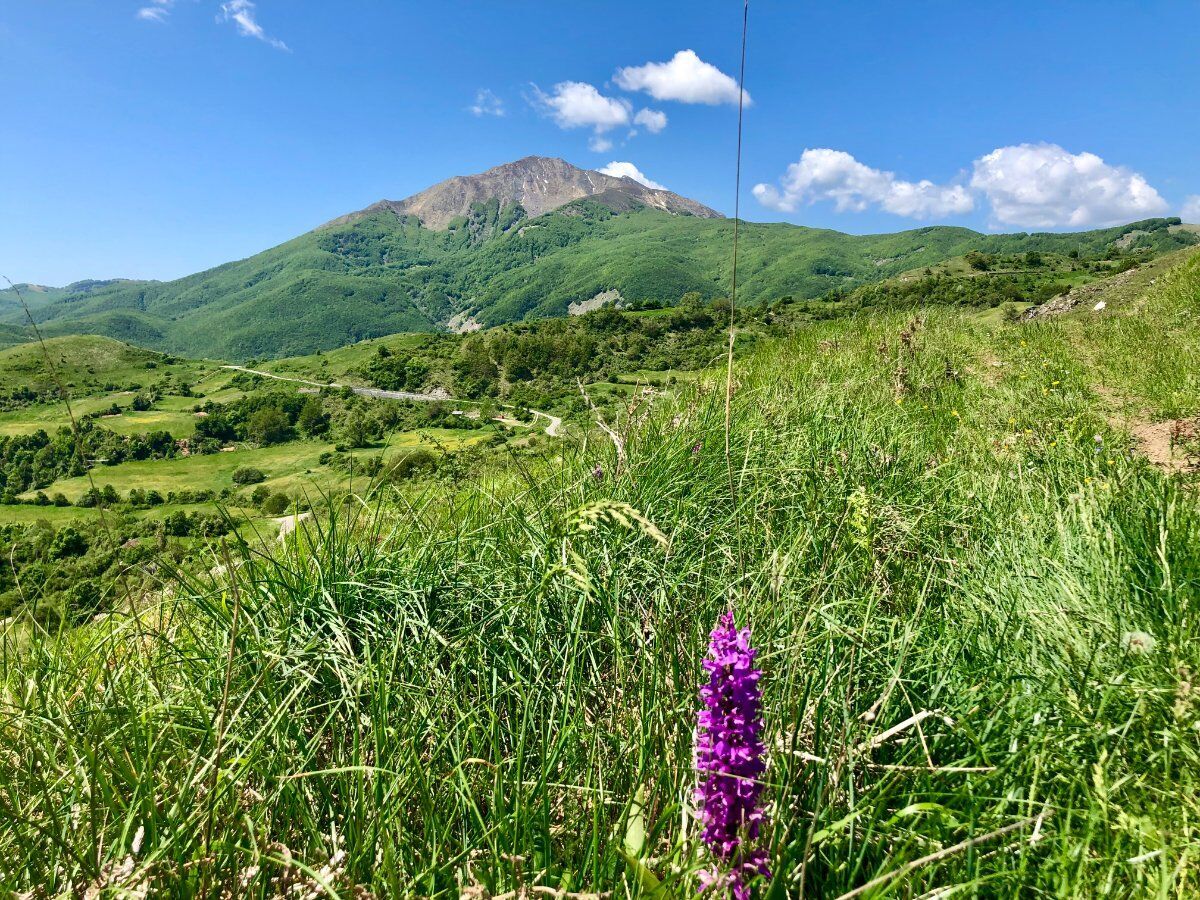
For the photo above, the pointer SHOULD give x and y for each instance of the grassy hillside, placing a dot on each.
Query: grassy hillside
(973, 595)
(383, 274)
(83, 362)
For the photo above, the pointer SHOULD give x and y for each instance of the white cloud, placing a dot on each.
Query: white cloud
(487, 104)
(1191, 210)
(629, 170)
(835, 175)
(1044, 186)
(241, 14)
(686, 78)
(651, 119)
(599, 144)
(576, 104)
(157, 12)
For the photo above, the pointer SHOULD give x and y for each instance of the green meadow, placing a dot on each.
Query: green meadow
(971, 574)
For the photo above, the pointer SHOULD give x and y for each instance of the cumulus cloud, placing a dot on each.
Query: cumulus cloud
(242, 14)
(823, 174)
(1191, 210)
(577, 104)
(599, 144)
(685, 77)
(651, 119)
(156, 12)
(1045, 186)
(629, 170)
(487, 104)
(1027, 185)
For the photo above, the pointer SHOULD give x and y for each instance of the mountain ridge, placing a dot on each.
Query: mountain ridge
(538, 184)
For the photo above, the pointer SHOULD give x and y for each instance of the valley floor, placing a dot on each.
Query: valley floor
(974, 597)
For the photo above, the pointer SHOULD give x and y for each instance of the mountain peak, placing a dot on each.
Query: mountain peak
(540, 184)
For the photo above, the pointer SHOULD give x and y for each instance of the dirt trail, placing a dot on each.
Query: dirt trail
(438, 395)
(552, 429)
(287, 524)
(435, 396)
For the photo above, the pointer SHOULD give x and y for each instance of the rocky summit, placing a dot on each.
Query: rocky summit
(538, 184)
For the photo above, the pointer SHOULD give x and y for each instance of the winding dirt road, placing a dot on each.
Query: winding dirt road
(432, 397)
(553, 429)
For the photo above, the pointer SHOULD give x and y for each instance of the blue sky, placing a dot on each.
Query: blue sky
(154, 138)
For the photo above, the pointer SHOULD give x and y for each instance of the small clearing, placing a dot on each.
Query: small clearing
(287, 524)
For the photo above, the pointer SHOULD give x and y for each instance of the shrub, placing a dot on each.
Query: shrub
(276, 504)
(248, 475)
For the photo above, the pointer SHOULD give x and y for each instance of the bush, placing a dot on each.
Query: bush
(248, 475)
(68, 542)
(276, 504)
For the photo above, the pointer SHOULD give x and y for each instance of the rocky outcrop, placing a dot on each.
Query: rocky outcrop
(538, 184)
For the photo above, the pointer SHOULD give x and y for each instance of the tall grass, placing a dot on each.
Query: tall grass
(491, 691)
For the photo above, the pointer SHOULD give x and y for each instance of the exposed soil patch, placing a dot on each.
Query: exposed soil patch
(1173, 445)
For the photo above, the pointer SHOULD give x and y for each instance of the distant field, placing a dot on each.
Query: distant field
(288, 466)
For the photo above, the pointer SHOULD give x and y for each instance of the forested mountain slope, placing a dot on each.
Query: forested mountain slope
(382, 271)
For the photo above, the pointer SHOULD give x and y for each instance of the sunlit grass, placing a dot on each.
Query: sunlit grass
(942, 547)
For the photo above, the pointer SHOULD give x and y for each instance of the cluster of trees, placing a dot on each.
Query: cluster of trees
(22, 395)
(549, 355)
(182, 523)
(418, 461)
(67, 574)
(942, 289)
(31, 461)
(263, 418)
(395, 373)
(362, 423)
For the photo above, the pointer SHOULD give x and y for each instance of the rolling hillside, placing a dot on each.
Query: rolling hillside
(381, 271)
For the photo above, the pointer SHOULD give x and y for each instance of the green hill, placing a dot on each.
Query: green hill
(381, 272)
(77, 359)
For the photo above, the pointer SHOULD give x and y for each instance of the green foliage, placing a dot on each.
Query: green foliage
(380, 274)
(976, 625)
(312, 420)
(36, 460)
(248, 475)
(268, 425)
(276, 504)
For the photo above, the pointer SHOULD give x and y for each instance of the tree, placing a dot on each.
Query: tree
(360, 430)
(276, 505)
(981, 262)
(268, 425)
(68, 542)
(177, 524)
(313, 420)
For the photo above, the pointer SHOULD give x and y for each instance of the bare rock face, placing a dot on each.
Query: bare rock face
(539, 184)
